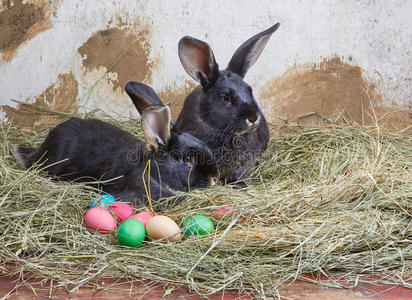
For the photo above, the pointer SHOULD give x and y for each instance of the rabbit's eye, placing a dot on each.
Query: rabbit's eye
(189, 160)
(226, 98)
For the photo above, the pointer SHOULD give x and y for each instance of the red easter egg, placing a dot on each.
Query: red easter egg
(121, 210)
(100, 220)
(143, 217)
(224, 210)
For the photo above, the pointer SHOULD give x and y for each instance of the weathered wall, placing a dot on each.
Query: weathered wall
(332, 57)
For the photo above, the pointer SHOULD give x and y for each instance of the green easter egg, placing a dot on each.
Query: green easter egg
(131, 233)
(198, 225)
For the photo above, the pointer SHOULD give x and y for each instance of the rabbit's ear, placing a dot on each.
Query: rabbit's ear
(198, 60)
(156, 125)
(247, 54)
(142, 95)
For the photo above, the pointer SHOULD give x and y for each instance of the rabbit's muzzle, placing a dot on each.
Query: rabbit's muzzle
(213, 180)
(252, 124)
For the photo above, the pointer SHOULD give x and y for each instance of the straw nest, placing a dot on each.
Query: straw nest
(331, 201)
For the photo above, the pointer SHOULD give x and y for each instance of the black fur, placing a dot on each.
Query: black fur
(142, 95)
(91, 150)
(24, 155)
(224, 114)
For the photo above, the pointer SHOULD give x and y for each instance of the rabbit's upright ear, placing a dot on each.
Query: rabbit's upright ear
(142, 95)
(156, 125)
(198, 60)
(247, 54)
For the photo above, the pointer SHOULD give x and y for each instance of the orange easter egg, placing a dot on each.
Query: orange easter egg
(160, 227)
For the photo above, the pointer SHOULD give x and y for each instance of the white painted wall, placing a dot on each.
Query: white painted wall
(377, 34)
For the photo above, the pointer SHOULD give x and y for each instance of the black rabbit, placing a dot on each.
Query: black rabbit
(222, 111)
(93, 150)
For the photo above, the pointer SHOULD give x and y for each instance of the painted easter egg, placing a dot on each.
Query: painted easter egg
(131, 233)
(104, 200)
(224, 210)
(143, 217)
(160, 227)
(121, 210)
(100, 220)
(198, 225)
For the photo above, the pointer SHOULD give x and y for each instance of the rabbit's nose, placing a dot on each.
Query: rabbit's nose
(251, 119)
(213, 181)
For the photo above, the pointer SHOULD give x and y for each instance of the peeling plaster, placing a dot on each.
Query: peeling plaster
(372, 35)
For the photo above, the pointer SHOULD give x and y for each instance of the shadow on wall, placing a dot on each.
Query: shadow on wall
(333, 90)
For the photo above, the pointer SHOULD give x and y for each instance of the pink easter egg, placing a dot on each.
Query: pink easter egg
(100, 220)
(143, 216)
(121, 210)
(224, 210)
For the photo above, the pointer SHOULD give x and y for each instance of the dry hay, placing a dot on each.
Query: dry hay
(332, 201)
